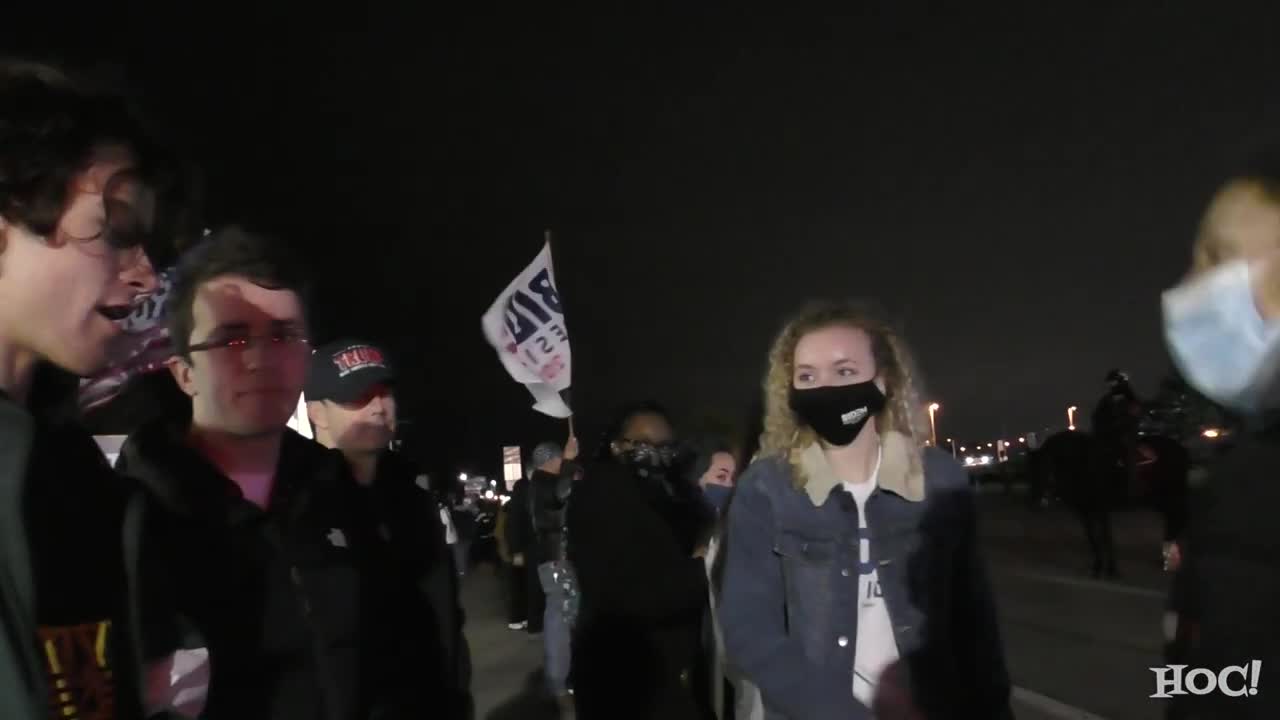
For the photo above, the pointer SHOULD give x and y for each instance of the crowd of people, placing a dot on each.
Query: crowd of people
(228, 567)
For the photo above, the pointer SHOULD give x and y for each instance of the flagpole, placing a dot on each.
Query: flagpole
(546, 234)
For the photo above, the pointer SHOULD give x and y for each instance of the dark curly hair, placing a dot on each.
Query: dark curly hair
(50, 128)
(613, 431)
(261, 259)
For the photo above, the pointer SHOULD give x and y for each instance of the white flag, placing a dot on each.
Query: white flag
(526, 326)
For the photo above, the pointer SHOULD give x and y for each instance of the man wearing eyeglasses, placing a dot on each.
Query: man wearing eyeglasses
(77, 206)
(265, 557)
(351, 403)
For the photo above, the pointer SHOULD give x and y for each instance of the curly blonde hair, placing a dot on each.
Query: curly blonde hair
(784, 435)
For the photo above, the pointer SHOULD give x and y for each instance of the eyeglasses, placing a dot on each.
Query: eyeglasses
(281, 339)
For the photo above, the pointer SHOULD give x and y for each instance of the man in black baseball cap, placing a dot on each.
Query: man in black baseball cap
(352, 407)
(350, 403)
(343, 371)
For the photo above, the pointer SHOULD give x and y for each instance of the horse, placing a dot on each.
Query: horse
(1089, 477)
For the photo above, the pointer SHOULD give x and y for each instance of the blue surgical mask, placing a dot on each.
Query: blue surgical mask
(1220, 342)
(717, 496)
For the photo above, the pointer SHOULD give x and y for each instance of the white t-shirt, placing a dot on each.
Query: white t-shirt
(876, 647)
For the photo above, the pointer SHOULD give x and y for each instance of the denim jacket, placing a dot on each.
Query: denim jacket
(789, 606)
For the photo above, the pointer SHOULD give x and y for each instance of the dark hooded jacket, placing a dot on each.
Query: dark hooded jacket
(1229, 584)
(632, 541)
(67, 559)
(407, 514)
(296, 604)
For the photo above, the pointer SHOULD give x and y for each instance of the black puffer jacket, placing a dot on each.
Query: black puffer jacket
(643, 593)
(408, 515)
(297, 604)
(74, 505)
(1229, 584)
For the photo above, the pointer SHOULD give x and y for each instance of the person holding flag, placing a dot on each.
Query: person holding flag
(526, 326)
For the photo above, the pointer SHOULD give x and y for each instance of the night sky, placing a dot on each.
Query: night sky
(1017, 189)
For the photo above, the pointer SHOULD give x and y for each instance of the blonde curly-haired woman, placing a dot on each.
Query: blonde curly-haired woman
(852, 546)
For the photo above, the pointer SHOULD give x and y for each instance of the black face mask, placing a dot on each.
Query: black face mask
(838, 412)
(648, 459)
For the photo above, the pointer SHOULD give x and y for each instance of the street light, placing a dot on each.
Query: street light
(1071, 417)
(462, 477)
(933, 422)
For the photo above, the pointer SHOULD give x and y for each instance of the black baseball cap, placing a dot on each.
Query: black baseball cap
(344, 371)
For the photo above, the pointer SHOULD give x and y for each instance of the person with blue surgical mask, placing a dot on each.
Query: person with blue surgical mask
(1222, 325)
(716, 479)
(714, 470)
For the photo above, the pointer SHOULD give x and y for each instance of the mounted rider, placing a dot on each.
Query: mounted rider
(1115, 423)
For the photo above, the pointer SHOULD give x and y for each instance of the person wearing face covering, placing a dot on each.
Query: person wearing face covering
(853, 553)
(1222, 326)
(635, 527)
(714, 471)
